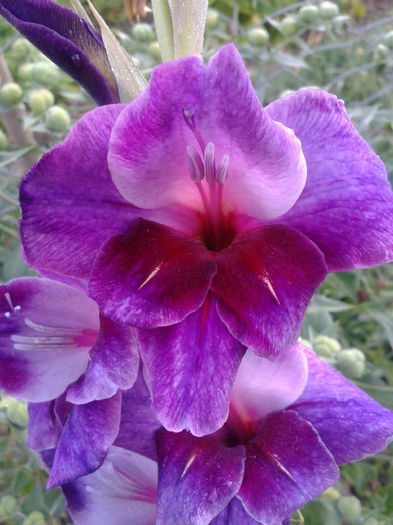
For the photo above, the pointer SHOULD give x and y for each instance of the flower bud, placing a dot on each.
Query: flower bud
(351, 362)
(288, 26)
(20, 49)
(326, 346)
(45, 74)
(389, 39)
(381, 52)
(11, 93)
(57, 119)
(328, 10)
(212, 18)
(8, 506)
(3, 140)
(34, 518)
(17, 413)
(25, 72)
(349, 507)
(37, 101)
(308, 13)
(143, 32)
(331, 493)
(258, 36)
(154, 50)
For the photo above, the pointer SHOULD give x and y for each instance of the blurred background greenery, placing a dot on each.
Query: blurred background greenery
(343, 46)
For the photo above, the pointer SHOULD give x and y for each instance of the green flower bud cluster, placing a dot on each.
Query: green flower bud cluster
(39, 100)
(350, 361)
(326, 346)
(8, 507)
(34, 518)
(326, 13)
(349, 508)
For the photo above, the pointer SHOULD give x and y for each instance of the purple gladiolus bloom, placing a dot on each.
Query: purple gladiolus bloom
(68, 40)
(207, 222)
(53, 340)
(291, 422)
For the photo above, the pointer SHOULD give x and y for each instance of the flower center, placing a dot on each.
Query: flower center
(209, 177)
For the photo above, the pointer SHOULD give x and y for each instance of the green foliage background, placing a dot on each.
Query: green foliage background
(349, 54)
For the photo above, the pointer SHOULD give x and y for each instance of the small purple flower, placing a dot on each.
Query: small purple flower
(68, 40)
(53, 341)
(207, 222)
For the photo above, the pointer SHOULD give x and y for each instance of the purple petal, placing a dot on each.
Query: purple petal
(69, 204)
(148, 152)
(87, 435)
(113, 364)
(287, 465)
(234, 514)
(263, 386)
(68, 40)
(44, 428)
(197, 478)
(346, 207)
(151, 277)
(191, 367)
(351, 424)
(138, 422)
(46, 332)
(264, 283)
(121, 491)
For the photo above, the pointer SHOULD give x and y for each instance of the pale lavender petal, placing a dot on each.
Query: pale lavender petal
(346, 207)
(190, 368)
(197, 478)
(151, 277)
(351, 424)
(148, 158)
(138, 422)
(88, 433)
(264, 283)
(122, 491)
(46, 332)
(69, 203)
(263, 386)
(287, 465)
(113, 364)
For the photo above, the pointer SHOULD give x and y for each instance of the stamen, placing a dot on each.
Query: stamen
(195, 164)
(189, 119)
(210, 167)
(222, 169)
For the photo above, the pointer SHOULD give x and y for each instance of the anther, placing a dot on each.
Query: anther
(222, 169)
(195, 164)
(210, 168)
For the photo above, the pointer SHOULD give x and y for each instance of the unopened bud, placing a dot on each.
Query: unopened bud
(20, 49)
(258, 36)
(34, 518)
(25, 72)
(212, 18)
(37, 102)
(349, 507)
(308, 13)
(57, 119)
(326, 346)
(143, 32)
(17, 413)
(331, 493)
(11, 93)
(328, 10)
(154, 50)
(351, 362)
(45, 74)
(8, 506)
(288, 26)
(389, 39)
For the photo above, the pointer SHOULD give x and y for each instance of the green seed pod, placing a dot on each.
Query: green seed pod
(328, 10)
(17, 413)
(308, 13)
(212, 18)
(288, 26)
(389, 39)
(57, 119)
(349, 507)
(326, 346)
(34, 518)
(8, 506)
(258, 36)
(351, 362)
(3, 140)
(45, 74)
(143, 32)
(11, 93)
(37, 101)
(154, 50)
(25, 72)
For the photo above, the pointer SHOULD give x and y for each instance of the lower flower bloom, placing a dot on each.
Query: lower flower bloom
(291, 423)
